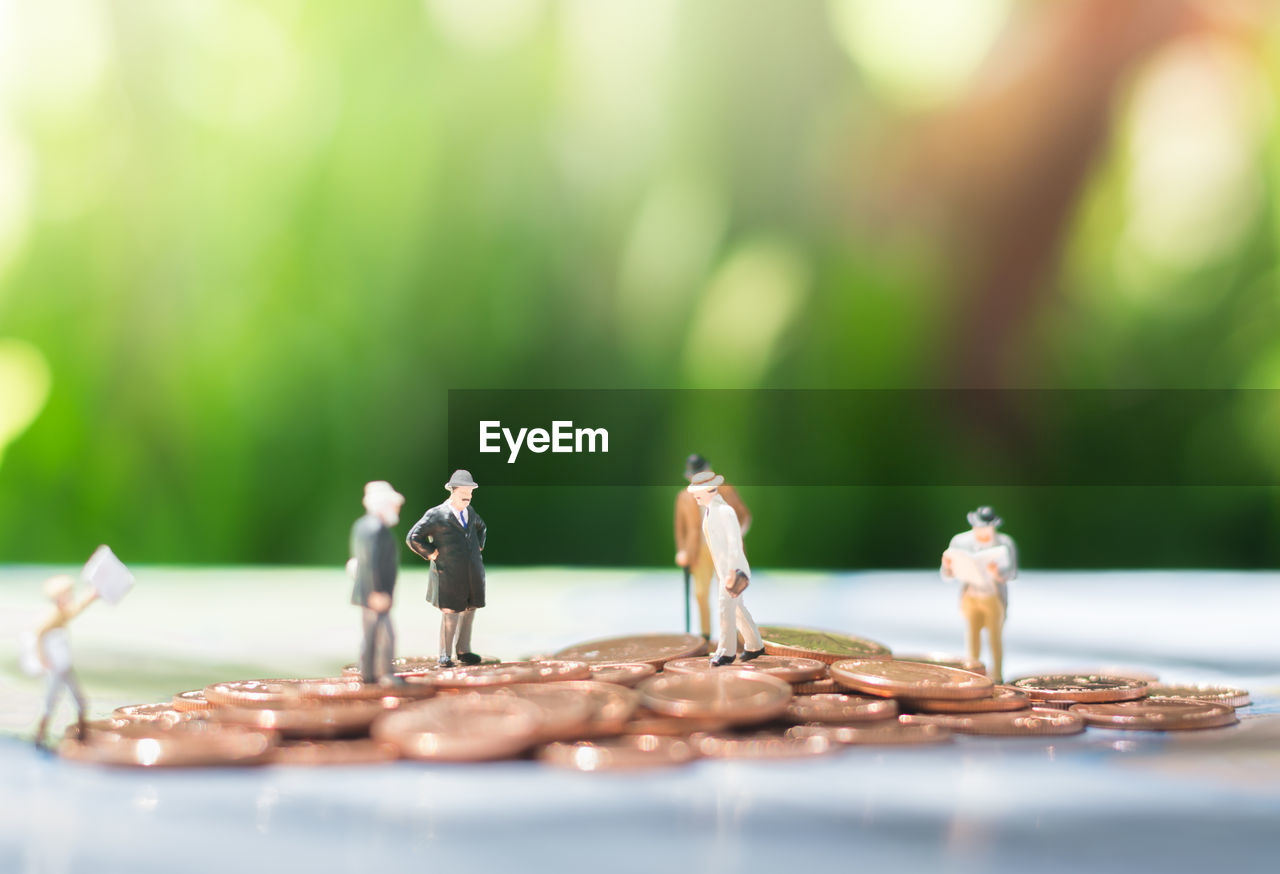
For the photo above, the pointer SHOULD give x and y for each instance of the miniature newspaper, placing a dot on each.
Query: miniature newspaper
(971, 567)
(107, 575)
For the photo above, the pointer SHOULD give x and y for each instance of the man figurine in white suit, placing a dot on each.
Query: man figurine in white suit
(983, 561)
(723, 533)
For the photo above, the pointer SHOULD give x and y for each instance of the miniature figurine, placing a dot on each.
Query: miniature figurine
(451, 537)
(984, 562)
(48, 650)
(373, 566)
(691, 549)
(723, 535)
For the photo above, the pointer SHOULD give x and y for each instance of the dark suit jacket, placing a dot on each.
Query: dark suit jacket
(457, 574)
(374, 549)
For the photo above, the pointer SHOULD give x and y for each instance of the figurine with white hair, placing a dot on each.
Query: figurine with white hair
(373, 567)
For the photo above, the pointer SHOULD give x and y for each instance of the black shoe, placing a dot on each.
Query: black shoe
(445, 663)
(752, 654)
(722, 661)
(468, 658)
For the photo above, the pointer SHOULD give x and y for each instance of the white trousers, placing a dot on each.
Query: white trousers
(735, 617)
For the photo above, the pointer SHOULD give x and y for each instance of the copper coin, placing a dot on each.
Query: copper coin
(1037, 722)
(1081, 687)
(565, 711)
(622, 674)
(559, 670)
(361, 751)
(877, 734)
(414, 666)
(1195, 692)
(352, 689)
(735, 696)
(252, 693)
(1164, 714)
(825, 646)
(1125, 671)
(190, 743)
(156, 713)
(305, 719)
(825, 686)
(789, 668)
(479, 676)
(1003, 698)
(193, 700)
(611, 706)
(891, 678)
(840, 709)
(947, 661)
(645, 721)
(620, 753)
(763, 745)
(462, 728)
(652, 649)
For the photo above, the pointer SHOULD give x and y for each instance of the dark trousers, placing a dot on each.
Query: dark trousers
(379, 646)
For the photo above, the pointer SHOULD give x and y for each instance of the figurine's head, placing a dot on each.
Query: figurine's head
(984, 522)
(383, 501)
(58, 589)
(695, 464)
(704, 486)
(460, 487)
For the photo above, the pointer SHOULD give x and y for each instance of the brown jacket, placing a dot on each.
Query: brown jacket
(689, 519)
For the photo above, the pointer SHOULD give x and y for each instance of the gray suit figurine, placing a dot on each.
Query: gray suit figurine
(451, 537)
(373, 567)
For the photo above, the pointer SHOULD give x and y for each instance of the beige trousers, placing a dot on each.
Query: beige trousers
(985, 611)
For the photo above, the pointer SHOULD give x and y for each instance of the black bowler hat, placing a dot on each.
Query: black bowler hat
(695, 463)
(984, 516)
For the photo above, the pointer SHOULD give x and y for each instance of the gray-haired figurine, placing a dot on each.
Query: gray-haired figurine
(984, 562)
(451, 537)
(373, 567)
(723, 534)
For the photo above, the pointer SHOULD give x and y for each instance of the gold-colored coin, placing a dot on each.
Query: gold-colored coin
(653, 649)
(877, 734)
(1081, 688)
(1003, 698)
(734, 696)
(626, 674)
(1036, 722)
(891, 678)
(1195, 692)
(1164, 714)
(790, 669)
(462, 728)
(629, 752)
(825, 646)
(839, 709)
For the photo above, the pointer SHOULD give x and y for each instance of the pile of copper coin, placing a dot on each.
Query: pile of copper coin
(632, 702)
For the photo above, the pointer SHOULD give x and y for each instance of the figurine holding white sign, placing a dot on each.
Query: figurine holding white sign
(48, 650)
(984, 562)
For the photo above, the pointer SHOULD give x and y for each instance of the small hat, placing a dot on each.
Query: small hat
(460, 478)
(984, 516)
(704, 479)
(695, 463)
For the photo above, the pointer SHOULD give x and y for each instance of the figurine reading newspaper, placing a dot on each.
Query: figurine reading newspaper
(47, 651)
(984, 561)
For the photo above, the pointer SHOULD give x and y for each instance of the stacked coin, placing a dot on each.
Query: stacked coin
(630, 702)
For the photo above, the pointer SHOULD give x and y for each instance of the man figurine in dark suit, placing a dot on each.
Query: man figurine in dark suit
(373, 566)
(451, 537)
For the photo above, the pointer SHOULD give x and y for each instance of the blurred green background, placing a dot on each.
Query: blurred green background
(247, 246)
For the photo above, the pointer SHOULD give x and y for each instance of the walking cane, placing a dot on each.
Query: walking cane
(686, 600)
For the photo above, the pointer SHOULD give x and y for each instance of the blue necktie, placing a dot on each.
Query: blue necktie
(462, 517)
